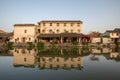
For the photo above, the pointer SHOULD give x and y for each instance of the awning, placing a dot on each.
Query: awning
(48, 35)
(69, 35)
(59, 35)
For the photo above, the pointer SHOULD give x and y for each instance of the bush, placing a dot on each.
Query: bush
(31, 45)
(75, 43)
(103, 45)
(52, 45)
(10, 45)
(85, 43)
(40, 45)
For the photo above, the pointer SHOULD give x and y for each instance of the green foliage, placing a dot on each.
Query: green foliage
(10, 45)
(40, 45)
(85, 43)
(118, 44)
(103, 45)
(31, 45)
(98, 43)
(75, 43)
(52, 45)
(74, 50)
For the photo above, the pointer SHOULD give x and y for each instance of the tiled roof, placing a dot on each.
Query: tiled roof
(58, 21)
(24, 25)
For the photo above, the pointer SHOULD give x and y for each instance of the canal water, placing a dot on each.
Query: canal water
(60, 64)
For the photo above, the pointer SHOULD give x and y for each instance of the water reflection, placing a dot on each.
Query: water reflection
(24, 57)
(60, 58)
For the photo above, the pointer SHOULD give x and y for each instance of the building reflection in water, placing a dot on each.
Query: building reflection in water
(101, 50)
(30, 58)
(108, 53)
(60, 63)
(24, 57)
(60, 59)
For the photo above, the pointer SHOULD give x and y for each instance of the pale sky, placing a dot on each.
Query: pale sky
(97, 15)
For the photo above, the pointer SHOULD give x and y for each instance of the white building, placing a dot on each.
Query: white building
(104, 40)
(24, 57)
(62, 31)
(56, 27)
(24, 33)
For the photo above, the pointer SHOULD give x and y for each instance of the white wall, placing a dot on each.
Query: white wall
(61, 27)
(96, 40)
(24, 57)
(114, 35)
(106, 40)
(19, 32)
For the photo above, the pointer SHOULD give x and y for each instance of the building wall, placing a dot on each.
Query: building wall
(67, 63)
(114, 35)
(106, 40)
(24, 57)
(70, 27)
(27, 32)
(96, 40)
(114, 55)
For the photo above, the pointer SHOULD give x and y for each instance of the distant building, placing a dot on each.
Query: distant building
(94, 34)
(104, 40)
(114, 35)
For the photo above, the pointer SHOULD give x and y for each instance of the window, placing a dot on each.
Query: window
(50, 31)
(43, 59)
(112, 34)
(18, 38)
(64, 24)
(57, 59)
(17, 51)
(50, 59)
(29, 39)
(71, 31)
(116, 34)
(43, 24)
(65, 31)
(57, 30)
(57, 24)
(25, 59)
(50, 24)
(78, 24)
(29, 51)
(71, 24)
(43, 31)
(78, 30)
(38, 30)
(25, 31)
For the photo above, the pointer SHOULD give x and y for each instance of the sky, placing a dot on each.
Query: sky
(97, 15)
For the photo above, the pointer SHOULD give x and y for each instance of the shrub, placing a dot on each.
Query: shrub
(31, 45)
(85, 43)
(52, 45)
(104, 45)
(40, 45)
(75, 43)
(10, 45)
